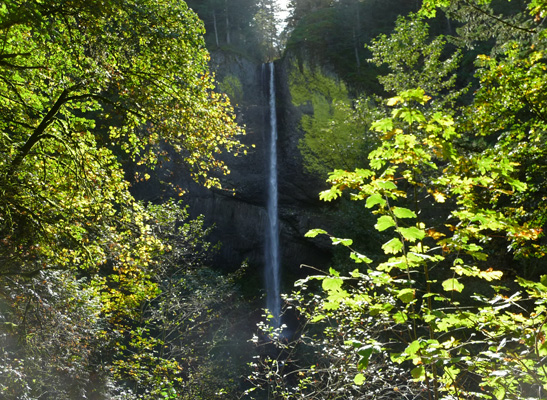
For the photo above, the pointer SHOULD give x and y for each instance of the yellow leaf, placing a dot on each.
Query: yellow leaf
(392, 133)
(439, 197)
(434, 234)
(394, 100)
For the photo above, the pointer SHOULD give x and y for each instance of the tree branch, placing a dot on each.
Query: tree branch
(499, 19)
(38, 132)
(13, 55)
(7, 64)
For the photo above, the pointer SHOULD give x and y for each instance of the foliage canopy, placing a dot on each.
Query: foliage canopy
(87, 87)
(447, 309)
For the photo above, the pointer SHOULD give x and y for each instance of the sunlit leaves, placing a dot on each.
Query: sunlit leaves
(384, 222)
(418, 373)
(412, 233)
(429, 7)
(332, 284)
(452, 284)
(359, 379)
(384, 125)
(402, 212)
(456, 194)
(406, 295)
(488, 275)
(359, 258)
(415, 143)
(86, 86)
(375, 199)
(393, 246)
(314, 232)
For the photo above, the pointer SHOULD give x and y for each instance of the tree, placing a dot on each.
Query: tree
(82, 82)
(228, 22)
(331, 122)
(332, 33)
(183, 336)
(266, 25)
(415, 60)
(87, 86)
(458, 195)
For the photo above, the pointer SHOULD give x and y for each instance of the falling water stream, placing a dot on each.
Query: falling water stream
(272, 268)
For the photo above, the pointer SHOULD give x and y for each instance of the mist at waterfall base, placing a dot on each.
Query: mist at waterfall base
(272, 253)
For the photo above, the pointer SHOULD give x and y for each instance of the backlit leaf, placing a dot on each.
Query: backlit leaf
(406, 295)
(394, 246)
(401, 212)
(384, 222)
(359, 379)
(412, 234)
(314, 232)
(418, 373)
(374, 200)
(452, 284)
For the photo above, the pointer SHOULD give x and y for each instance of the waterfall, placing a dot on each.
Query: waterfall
(272, 267)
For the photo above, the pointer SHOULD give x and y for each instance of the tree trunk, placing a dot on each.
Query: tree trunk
(356, 49)
(227, 22)
(356, 35)
(215, 27)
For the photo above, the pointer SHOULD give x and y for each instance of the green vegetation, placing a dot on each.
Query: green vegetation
(431, 126)
(231, 85)
(334, 33)
(248, 27)
(330, 137)
(452, 304)
(87, 86)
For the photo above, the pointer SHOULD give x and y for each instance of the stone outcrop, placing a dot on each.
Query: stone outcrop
(239, 216)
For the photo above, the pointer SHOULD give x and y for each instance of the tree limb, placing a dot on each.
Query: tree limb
(499, 19)
(38, 132)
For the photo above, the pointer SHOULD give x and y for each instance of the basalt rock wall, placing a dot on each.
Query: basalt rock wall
(238, 212)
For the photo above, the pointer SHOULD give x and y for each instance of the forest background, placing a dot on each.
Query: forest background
(428, 119)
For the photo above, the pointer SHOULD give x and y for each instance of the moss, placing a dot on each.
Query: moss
(231, 85)
(332, 138)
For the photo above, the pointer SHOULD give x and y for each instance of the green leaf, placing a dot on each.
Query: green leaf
(394, 246)
(318, 318)
(499, 392)
(359, 379)
(406, 295)
(332, 284)
(314, 232)
(330, 194)
(412, 348)
(384, 222)
(359, 258)
(365, 357)
(401, 212)
(418, 373)
(409, 115)
(452, 284)
(383, 125)
(387, 185)
(412, 234)
(343, 242)
(374, 200)
(543, 349)
(394, 100)
(400, 317)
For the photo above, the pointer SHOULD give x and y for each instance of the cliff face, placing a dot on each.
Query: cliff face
(240, 216)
